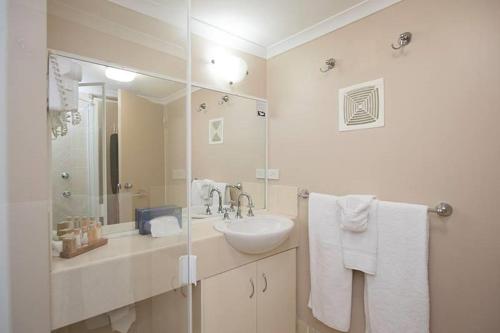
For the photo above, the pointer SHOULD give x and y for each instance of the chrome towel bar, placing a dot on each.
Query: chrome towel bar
(442, 209)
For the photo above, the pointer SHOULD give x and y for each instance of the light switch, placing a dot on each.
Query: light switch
(260, 173)
(273, 174)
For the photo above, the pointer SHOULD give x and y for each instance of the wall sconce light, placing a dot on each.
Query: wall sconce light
(229, 68)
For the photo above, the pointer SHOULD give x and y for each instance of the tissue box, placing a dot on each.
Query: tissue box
(144, 215)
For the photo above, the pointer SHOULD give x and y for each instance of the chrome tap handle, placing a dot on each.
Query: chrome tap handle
(226, 215)
(231, 206)
(250, 211)
(208, 211)
(238, 213)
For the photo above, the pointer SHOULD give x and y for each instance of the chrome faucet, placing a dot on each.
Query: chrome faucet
(219, 210)
(250, 205)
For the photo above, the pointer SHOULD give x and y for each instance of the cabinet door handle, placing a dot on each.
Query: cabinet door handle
(253, 288)
(265, 282)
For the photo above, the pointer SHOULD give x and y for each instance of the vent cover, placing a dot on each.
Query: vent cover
(362, 106)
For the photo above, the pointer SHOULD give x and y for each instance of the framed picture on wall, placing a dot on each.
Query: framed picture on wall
(216, 131)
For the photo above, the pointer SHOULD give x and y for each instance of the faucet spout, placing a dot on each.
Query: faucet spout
(250, 205)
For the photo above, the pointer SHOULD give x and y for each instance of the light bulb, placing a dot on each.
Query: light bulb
(119, 74)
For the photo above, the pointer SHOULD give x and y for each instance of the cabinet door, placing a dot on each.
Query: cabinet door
(276, 301)
(230, 301)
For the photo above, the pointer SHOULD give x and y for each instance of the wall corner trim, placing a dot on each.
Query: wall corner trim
(328, 25)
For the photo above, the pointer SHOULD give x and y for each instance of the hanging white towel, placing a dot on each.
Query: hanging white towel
(122, 319)
(397, 297)
(331, 282)
(359, 247)
(354, 211)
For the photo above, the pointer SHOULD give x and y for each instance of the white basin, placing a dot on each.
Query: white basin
(256, 234)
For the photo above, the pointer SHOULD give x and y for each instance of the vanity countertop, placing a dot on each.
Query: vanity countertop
(135, 267)
(125, 246)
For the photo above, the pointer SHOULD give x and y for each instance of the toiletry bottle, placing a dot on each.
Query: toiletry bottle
(92, 233)
(69, 243)
(99, 230)
(85, 236)
(77, 232)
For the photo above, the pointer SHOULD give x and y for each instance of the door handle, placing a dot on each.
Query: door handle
(265, 282)
(128, 186)
(253, 288)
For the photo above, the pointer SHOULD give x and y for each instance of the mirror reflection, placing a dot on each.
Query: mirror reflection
(229, 152)
(119, 148)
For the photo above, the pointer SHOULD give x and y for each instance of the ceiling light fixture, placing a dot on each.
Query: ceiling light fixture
(119, 74)
(229, 68)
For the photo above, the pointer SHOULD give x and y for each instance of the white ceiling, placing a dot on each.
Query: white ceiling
(264, 28)
(267, 22)
(152, 88)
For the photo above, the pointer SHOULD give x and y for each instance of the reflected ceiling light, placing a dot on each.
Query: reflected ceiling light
(119, 74)
(229, 68)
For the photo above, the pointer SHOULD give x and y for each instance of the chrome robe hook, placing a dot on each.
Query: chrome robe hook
(330, 64)
(404, 39)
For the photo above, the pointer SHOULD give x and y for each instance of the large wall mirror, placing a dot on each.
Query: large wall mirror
(121, 152)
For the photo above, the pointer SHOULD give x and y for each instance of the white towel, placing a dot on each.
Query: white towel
(200, 189)
(331, 282)
(359, 249)
(397, 297)
(164, 226)
(122, 319)
(354, 211)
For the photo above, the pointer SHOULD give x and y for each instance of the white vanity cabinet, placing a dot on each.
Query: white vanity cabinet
(258, 297)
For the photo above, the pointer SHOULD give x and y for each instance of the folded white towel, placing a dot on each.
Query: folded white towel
(359, 249)
(354, 211)
(397, 297)
(164, 226)
(331, 282)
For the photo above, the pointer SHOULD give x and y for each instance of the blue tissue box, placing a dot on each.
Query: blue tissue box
(143, 216)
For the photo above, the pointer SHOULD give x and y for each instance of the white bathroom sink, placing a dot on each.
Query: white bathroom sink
(256, 234)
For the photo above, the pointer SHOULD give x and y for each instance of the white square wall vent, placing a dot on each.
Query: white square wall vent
(361, 106)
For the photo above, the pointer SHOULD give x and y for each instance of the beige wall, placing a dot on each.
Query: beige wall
(233, 161)
(440, 141)
(244, 146)
(27, 167)
(104, 31)
(101, 30)
(175, 116)
(141, 153)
